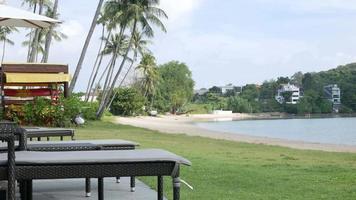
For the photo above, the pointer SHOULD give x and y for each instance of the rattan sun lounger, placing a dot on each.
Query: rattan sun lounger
(83, 164)
(98, 164)
(85, 145)
(80, 145)
(39, 132)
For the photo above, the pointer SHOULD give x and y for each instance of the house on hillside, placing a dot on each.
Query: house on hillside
(293, 90)
(226, 88)
(333, 94)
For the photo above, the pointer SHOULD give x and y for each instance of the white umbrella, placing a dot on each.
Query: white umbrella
(10, 16)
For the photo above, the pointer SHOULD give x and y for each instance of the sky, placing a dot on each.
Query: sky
(230, 41)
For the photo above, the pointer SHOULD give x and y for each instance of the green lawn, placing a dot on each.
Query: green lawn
(232, 170)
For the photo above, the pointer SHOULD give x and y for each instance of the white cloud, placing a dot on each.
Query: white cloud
(179, 14)
(177, 10)
(72, 28)
(315, 5)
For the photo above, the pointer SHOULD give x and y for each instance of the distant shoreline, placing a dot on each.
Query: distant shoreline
(184, 124)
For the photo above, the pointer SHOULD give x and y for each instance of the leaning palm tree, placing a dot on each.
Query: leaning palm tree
(4, 32)
(116, 47)
(85, 47)
(139, 48)
(139, 15)
(51, 12)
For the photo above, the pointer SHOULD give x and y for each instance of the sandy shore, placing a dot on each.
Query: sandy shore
(184, 125)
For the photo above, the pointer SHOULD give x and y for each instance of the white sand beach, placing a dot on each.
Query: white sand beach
(184, 125)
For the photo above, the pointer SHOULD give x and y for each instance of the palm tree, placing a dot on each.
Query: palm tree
(42, 4)
(4, 32)
(42, 40)
(139, 47)
(85, 47)
(53, 14)
(34, 34)
(116, 46)
(148, 67)
(136, 14)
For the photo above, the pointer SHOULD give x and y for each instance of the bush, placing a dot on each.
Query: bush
(44, 112)
(127, 102)
(238, 104)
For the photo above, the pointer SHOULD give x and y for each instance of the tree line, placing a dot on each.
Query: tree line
(261, 98)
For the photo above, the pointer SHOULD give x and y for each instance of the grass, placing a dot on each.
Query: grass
(231, 170)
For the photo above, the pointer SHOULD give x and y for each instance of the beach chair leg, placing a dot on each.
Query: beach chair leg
(118, 180)
(87, 187)
(22, 186)
(100, 188)
(30, 138)
(39, 139)
(61, 138)
(176, 188)
(160, 188)
(133, 183)
(29, 190)
(47, 138)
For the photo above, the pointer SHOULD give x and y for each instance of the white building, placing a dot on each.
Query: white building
(333, 94)
(295, 94)
(226, 88)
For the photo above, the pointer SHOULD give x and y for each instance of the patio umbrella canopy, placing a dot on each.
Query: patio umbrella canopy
(10, 16)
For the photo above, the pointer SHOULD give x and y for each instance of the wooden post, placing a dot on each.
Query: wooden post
(66, 90)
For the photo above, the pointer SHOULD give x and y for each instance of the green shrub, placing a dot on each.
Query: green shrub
(239, 105)
(45, 112)
(127, 102)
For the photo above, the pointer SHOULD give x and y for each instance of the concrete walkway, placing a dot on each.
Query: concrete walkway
(74, 189)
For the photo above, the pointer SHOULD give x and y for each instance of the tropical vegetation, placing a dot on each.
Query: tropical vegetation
(253, 98)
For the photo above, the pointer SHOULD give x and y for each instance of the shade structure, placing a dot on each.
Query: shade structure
(10, 16)
(36, 78)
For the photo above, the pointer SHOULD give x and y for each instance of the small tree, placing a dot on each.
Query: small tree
(175, 88)
(127, 102)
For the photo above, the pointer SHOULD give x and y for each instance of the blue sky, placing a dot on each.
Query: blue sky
(230, 41)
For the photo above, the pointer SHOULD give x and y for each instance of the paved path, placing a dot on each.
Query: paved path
(73, 189)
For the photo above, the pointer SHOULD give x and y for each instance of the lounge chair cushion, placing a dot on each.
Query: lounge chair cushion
(92, 157)
(94, 142)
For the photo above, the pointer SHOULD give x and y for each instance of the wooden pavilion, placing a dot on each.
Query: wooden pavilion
(22, 82)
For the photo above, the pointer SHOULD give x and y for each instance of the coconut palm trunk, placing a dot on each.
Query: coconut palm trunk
(105, 101)
(99, 81)
(49, 35)
(123, 79)
(96, 66)
(85, 48)
(3, 51)
(34, 47)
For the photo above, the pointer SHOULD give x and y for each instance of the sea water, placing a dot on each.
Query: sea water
(324, 130)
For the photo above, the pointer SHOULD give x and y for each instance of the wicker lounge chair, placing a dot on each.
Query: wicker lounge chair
(82, 164)
(81, 145)
(39, 132)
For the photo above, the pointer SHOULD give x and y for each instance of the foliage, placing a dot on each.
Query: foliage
(175, 87)
(197, 108)
(45, 112)
(127, 102)
(150, 78)
(239, 105)
(130, 16)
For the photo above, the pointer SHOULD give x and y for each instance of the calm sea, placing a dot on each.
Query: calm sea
(326, 130)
